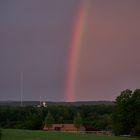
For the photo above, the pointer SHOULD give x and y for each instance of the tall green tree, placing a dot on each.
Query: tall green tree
(126, 115)
(77, 121)
(135, 113)
(33, 122)
(121, 114)
(49, 120)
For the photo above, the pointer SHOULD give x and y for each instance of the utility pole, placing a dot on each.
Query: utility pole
(21, 89)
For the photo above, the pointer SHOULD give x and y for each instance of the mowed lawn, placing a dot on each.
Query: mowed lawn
(12, 134)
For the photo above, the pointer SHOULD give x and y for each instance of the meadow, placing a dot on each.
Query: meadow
(14, 134)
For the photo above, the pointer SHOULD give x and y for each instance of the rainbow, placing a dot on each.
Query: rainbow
(77, 38)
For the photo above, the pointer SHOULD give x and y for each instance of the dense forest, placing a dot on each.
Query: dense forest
(33, 117)
(121, 117)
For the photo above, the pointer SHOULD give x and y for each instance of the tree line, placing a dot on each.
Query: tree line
(121, 118)
(34, 118)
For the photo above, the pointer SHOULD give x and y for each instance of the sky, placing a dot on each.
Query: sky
(36, 39)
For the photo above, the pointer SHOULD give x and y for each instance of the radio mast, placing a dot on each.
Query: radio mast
(21, 89)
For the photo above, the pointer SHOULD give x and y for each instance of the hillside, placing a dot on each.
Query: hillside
(35, 103)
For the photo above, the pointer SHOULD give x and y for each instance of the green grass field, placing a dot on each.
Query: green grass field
(11, 134)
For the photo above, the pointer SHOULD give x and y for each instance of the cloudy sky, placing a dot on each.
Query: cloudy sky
(35, 38)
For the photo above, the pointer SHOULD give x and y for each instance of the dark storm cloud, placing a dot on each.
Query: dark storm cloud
(35, 37)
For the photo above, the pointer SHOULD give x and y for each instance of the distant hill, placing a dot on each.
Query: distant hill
(35, 103)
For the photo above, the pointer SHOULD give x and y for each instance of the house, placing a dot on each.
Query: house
(72, 128)
(90, 128)
(64, 127)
